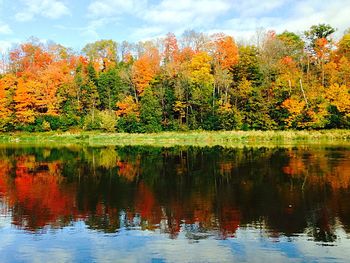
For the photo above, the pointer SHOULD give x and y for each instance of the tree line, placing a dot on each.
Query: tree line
(197, 81)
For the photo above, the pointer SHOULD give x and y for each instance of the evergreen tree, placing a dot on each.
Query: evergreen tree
(150, 112)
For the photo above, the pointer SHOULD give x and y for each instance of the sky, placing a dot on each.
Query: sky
(74, 23)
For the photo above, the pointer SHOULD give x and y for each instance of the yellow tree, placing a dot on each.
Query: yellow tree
(344, 71)
(127, 107)
(202, 82)
(289, 75)
(344, 46)
(7, 87)
(339, 96)
(25, 100)
(295, 108)
(200, 70)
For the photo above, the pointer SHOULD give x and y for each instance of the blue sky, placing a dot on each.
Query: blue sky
(74, 23)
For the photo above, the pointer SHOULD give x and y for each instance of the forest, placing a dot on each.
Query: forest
(193, 82)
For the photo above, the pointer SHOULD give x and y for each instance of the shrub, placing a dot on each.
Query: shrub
(92, 121)
(108, 121)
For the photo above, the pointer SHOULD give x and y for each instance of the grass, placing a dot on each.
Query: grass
(195, 138)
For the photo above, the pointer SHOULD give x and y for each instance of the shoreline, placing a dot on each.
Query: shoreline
(191, 138)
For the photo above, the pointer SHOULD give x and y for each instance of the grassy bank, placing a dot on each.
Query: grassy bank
(198, 138)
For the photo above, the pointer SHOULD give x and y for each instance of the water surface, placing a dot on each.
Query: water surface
(180, 204)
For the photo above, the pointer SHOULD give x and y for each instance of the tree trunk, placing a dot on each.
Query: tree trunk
(302, 90)
(290, 86)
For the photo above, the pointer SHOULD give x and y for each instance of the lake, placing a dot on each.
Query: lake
(178, 204)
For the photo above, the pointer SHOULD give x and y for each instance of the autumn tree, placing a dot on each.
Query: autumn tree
(319, 43)
(225, 56)
(225, 51)
(195, 81)
(8, 86)
(128, 111)
(171, 49)
(201, 81)
(145, 68)
(25, 101)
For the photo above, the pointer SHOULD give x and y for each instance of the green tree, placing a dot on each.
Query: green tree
(109, 87)
(150, 112)
(319, 31)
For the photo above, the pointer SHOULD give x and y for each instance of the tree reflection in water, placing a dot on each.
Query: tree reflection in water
(200, 191)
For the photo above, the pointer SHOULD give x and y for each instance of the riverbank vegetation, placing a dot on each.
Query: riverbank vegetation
(197, 81)
(195, 138)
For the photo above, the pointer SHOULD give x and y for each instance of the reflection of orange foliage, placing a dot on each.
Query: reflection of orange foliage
(295, 167)
(35, 195)
(226, 168)
(340, 177)
(145, 203)
(317, 171)
(40, 196)
(202, 210)
(129, 170)
(230, 220)
(4, 170)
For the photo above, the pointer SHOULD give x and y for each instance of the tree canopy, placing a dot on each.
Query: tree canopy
(195, 81)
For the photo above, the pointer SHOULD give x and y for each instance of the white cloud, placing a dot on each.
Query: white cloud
(178, 16)
(250, 8)
(5, 45)
(297, 16)
(5, 29)
(310, 12)
(90, 31)
(152, 244)
(186, 13)
(148, 33)
(52, 9)
(106, 12)
(238, 18)
(35, 254)
(158, 18)
(107, 8)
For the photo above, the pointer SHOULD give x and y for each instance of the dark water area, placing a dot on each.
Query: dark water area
(181, 204)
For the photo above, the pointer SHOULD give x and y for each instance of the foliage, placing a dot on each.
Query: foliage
(197, 81)
(108, 121)
(150, 112)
